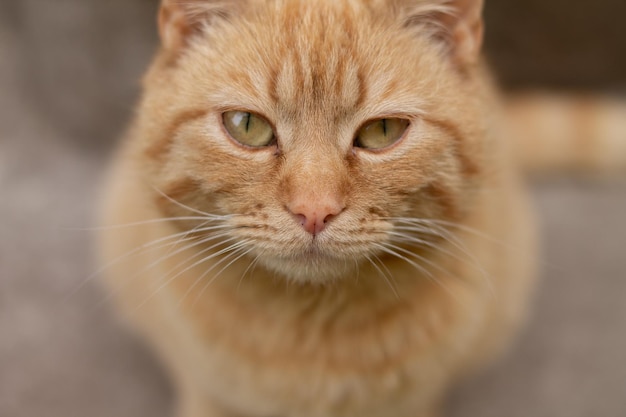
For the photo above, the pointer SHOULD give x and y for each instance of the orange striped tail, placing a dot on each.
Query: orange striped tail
(569, 132)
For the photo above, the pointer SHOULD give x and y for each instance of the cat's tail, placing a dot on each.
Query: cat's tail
(583, 133)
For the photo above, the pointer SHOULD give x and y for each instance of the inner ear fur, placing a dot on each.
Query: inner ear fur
(459, 23)
(180, 20)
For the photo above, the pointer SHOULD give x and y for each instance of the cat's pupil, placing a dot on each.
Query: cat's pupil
(247, 122)
(248, 128)
(381, 133)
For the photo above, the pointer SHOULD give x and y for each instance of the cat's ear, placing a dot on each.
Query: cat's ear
(179, 20)
(459, 23)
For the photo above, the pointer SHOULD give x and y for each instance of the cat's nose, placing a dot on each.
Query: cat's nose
(315, 215)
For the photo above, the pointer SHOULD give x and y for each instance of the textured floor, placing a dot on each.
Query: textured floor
(64, 357)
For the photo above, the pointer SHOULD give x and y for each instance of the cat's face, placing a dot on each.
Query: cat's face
(315, 127)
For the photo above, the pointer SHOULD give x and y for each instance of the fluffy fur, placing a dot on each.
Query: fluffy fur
(424, 269)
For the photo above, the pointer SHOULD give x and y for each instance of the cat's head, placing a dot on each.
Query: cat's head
(316, 127)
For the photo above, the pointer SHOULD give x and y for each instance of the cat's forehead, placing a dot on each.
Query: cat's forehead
(328, 57)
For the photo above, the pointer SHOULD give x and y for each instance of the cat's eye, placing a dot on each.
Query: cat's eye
(381, 133)
(248, 128)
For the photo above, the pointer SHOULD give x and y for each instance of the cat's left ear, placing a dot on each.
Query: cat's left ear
(458, 22)
(179, 20)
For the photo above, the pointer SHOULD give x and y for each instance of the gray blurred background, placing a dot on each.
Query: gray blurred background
(69, 72)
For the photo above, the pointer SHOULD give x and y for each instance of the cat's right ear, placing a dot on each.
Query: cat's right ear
(180, 20)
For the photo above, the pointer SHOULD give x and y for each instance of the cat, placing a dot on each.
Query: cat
(323, 207)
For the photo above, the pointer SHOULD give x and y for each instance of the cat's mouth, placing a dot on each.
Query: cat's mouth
(313, 253)
(330, 255)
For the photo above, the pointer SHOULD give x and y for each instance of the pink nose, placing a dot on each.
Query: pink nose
(315, 216)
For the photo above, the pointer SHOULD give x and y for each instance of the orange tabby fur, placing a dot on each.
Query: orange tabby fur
(569, 132)
(363, 319)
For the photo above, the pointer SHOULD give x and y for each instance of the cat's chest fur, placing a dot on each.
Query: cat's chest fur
(325, 352)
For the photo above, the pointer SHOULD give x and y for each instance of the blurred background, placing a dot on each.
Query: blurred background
(69, 76)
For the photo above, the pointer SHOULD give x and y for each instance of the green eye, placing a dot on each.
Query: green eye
(381, 133)
(248, 128)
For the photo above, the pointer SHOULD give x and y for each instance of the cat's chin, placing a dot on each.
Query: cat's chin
(311, 268)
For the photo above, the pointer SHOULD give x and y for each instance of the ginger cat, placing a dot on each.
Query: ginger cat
(324, 214)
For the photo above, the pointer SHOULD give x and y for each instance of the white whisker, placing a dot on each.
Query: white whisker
(471, 259)
(144, 248)
(179, 204)
(420, 268)
(382, 273)
(134, 276)
(234, 246)
(250, 269)
(171, 279)
(237, 252)
(147, 222)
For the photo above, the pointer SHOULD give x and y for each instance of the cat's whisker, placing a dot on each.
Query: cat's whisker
(141, 249)
(146, 268)
(388, 273)
(438, 232)
(195, 255)
(418, 257)
(422, 269)
(454, 240)
(390, 250)
(357, 269)
(148, 222)
(198, 229)
(250, 269)
(159, 243)
(228, 251)
(382, 273)
(237, 253)
(445, 225)
(241, 253)
(184, 206)
(198, 254)
(468, 258)
(171, 279)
